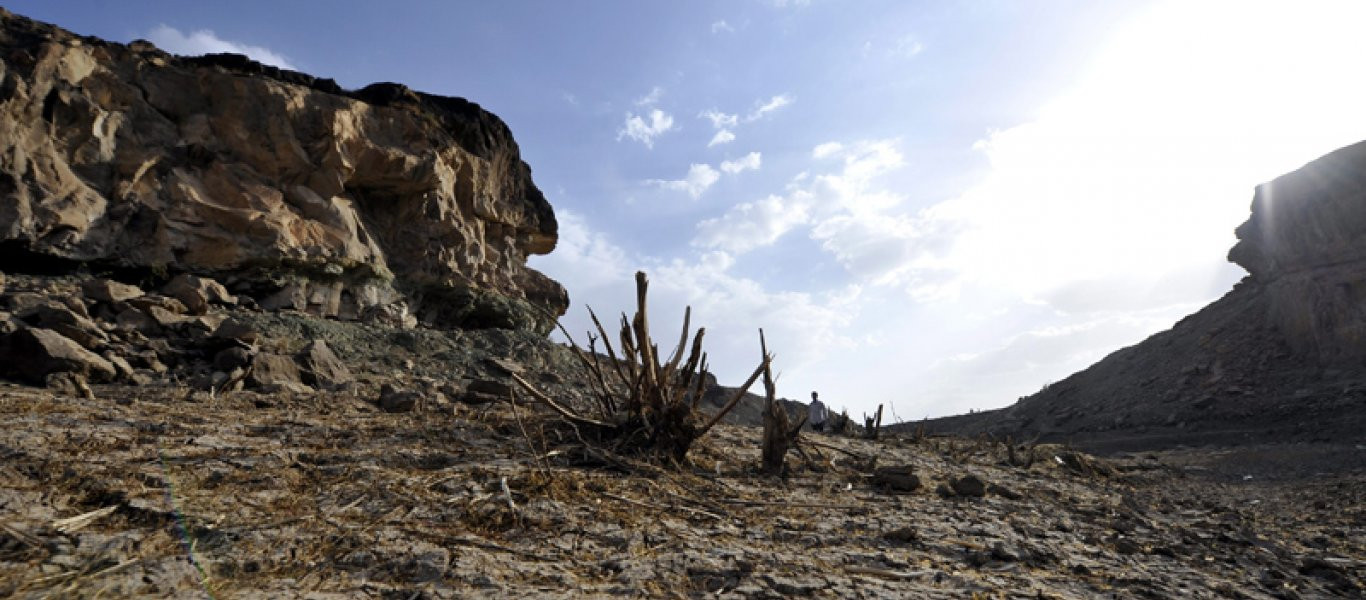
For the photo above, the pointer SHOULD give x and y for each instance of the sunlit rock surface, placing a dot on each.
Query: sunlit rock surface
(381, 201)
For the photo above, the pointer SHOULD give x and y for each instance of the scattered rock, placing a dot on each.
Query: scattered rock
(904, 535)
(236, 329)
(132, 319)
(896, 479)
(70, 324)
(394, 400)
(164, 302)
(71, 384)
(33, 353)
(321, 367)
(274, 372)
(969, 485)
(108, 290)
(1003, 492)
(233, 357)
(197, 292)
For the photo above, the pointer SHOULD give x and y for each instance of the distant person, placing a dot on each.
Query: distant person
(816, 413)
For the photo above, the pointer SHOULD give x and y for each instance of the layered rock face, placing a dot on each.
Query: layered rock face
(1306, 244)
(381, 203)
(1281, 357)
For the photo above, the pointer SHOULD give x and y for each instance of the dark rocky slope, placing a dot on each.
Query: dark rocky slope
(1281, 357)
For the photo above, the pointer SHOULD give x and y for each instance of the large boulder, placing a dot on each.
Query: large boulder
(218, 165)
(31, 354)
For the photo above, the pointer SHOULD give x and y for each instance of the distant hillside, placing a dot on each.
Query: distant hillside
(1280, 357)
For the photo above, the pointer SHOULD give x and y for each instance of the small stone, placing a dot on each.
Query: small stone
(1127, 546)
(108, 290)
(1004, 492)
(232, 358)
(197, 292)
(166, 303)
(904, 535)
(896, 479)
(969, 485)
(276, 372)
(321, 367)
(235, 329)
(394, 400)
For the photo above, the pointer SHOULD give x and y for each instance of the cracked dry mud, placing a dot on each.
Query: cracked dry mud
(322, 496)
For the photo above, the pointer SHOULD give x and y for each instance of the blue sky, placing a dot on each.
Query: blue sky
(937, 205)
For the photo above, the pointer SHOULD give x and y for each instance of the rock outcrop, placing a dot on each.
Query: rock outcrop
(1282, 356)
(382, 203)
(1305, 243)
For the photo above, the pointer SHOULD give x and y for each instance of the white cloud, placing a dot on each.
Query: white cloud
(719, 119)
(643, 131)
(802, 329)
(588, 254)
(723, 136)
(699, 178)
(750, 161)
(722, 25)
(752, 224)
(773, 104)
(906, 47)
(1146, 165)
(651, 98)
(204, 41)
(826, 149)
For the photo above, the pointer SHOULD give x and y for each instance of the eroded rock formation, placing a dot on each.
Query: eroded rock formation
(1306, 244)
(383, 202)
(1282, 356)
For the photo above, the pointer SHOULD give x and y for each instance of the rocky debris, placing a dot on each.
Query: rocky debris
(70, 324)
(456, 505)
(195, 293)
(394, 400)
(970, 486)
(321, 367)
(32, 353)
(383, 203)
(238, 330)
(276, 372)
(896, 479)
(110, 291)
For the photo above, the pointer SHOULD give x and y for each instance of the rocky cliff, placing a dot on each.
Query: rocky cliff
(1281, 356)
(380, 204)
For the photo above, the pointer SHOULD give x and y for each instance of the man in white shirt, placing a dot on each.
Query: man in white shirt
(816, 413)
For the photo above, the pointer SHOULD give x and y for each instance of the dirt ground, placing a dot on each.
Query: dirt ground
(155, 491)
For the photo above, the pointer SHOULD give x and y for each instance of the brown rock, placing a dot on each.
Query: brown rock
(196, 293)
(33, 353)
(132, 319)
(74, 326)
(394, 400)
(235, 329)
(163, 302)
(232, 358)
(229, 165)
(896, 479)
(321, 367)
(276, 372)
(108, 290)
(969, 485)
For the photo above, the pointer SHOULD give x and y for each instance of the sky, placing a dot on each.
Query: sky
(939, 206)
